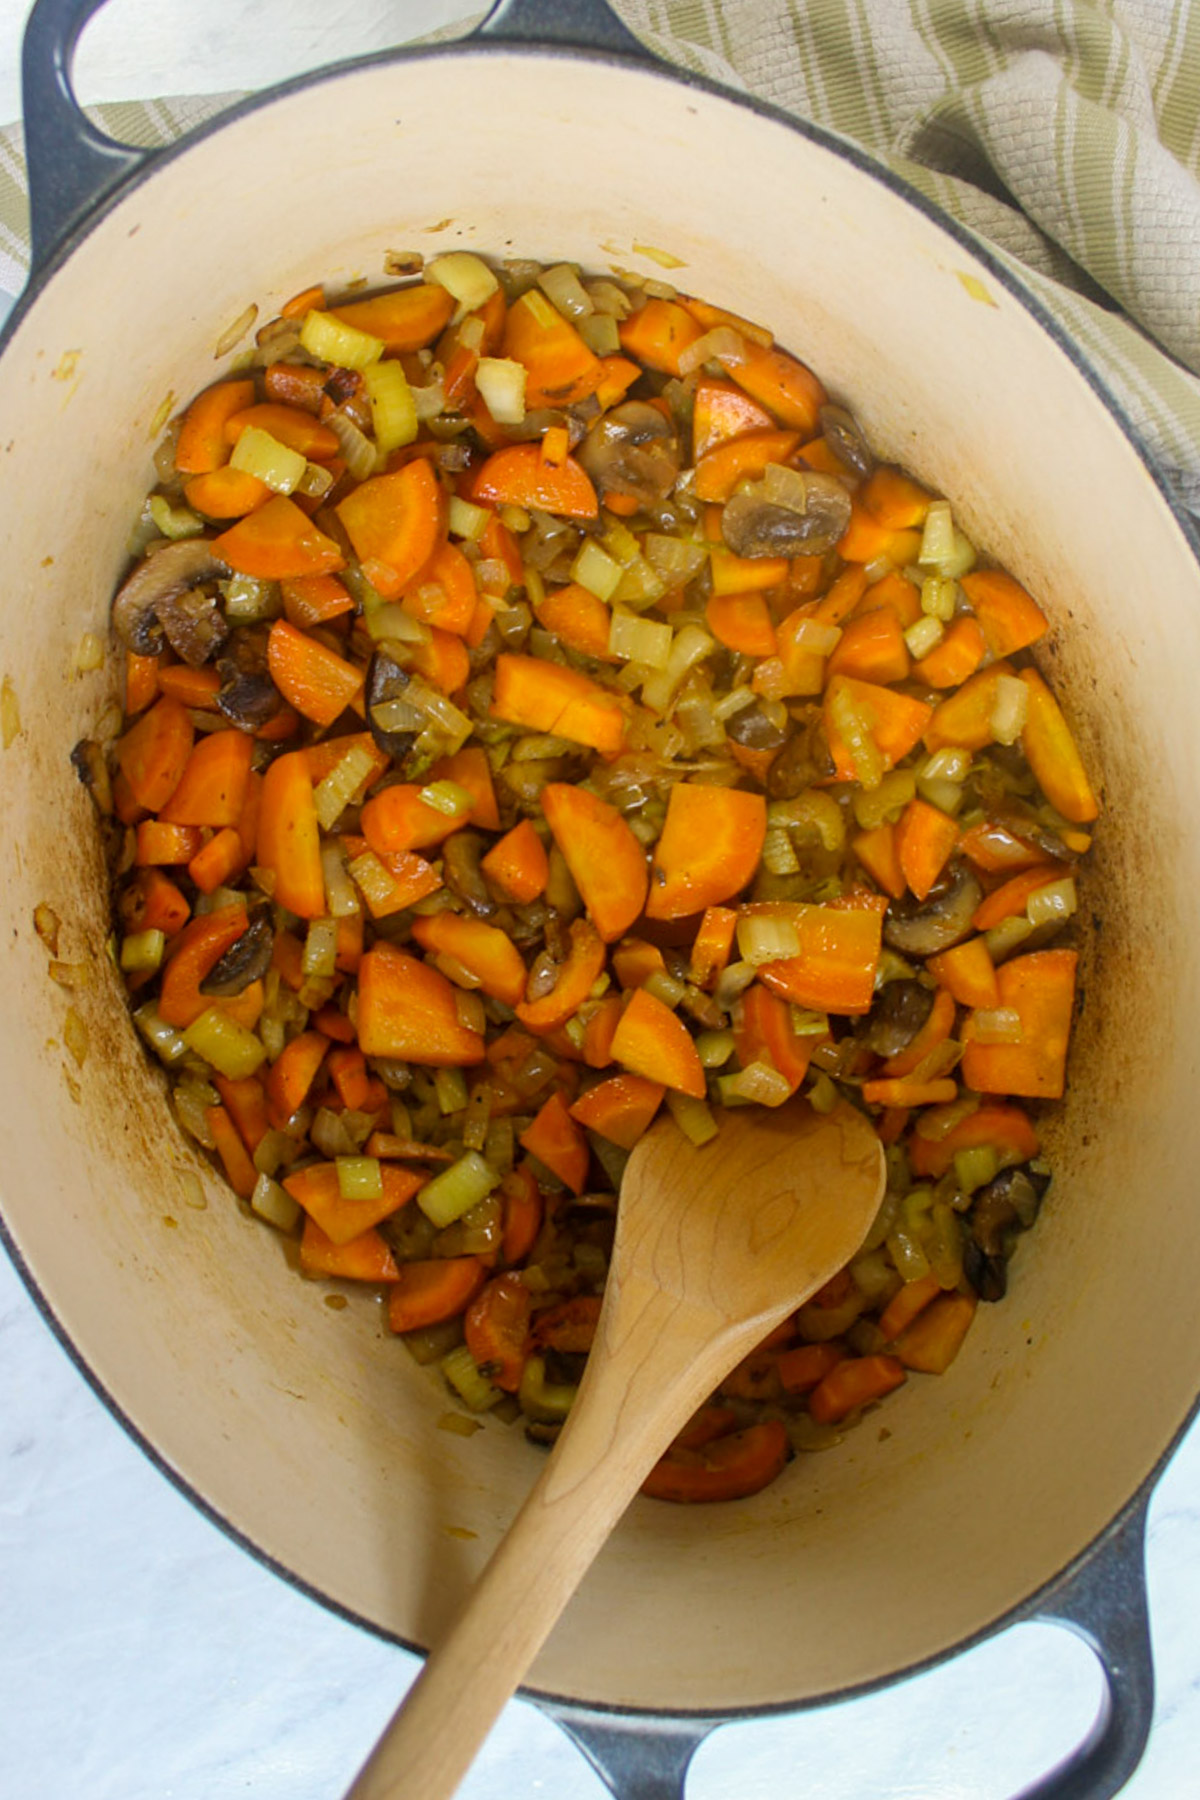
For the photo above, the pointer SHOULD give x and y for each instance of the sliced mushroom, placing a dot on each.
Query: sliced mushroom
(247, 696)
(246, 960)
(632, 450)
(156, 586)
(461, 855)
(922, 928)
(754, 729)
(386, 680)
(804, 759)
(844, 437)
(805, 519)
(194, 625)
(89, 763)
(900, 1010)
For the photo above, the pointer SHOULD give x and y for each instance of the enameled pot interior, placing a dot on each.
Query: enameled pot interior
(306, 1428)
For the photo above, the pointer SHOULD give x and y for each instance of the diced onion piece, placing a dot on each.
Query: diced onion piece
(1010, 709)
(786, 487)
(937, 536)
(677, 560)
(373, 881)
(595, 570)
(733, 702)
(334, 792)
(142, 952)
(448, 798)
(393, 410)
(165, 1040)
(733, 981)
(249, 600)
(1053, 903)
(939, 597)
(996, 1025)
(331, 340)
(516, 518)
(259, 454)
(173, 521)
(779, 853)
(1006, 937)
(457, 1189)
(320, 949)
(975, 1167)
(224, 1044)
(757, 1084)
(948, 764)
(634, 639)
(601, 333)
(924, 636)
(667, 988)
(464, 276)
(470, 1012)
(961, 559)
(887, 800)
(430, 400)
(762, 938)
(818, 638)
(640, 585)
(450, 1085)
(563, 288)
(723, 344)
(274, 1204)
(330, 1136)
(714, 1048)
(693, 1117)
(384, 620)
(359, 1177)
(501, 384)
(947, 796)
(89, 653)
(466, 520)
(691, 646)
(852, 728)
(474, 1389)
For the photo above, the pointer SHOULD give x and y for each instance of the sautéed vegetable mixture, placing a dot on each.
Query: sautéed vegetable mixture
(542, 711)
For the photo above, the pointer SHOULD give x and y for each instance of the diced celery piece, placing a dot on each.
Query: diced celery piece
(937, 537)
(274, 1204)
(758, 1084)
(939, 597)
(924, 636)
(331, 340)
(359, 1177)
(975, 1167)
(165, 1040)
(457, 1189)
(693, 1117)
(466, 520)
(548, 1402)
(664, 987)
(465, 276)
(448, 798)
(320, 948)
(173, 521)
(886, 801)
(644, 641)
(259, 454)
(334, 792)
(714, 1048)
(472, 1387)
(1057, 901)
(451, 1088)
(225, 1045)
(393, 409)
(142, 951)
(823, 1095)
(762, 938)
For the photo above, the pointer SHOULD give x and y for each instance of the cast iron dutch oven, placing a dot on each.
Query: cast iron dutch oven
(1016, 1486)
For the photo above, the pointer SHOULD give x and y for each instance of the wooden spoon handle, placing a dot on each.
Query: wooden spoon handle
(659, 1366)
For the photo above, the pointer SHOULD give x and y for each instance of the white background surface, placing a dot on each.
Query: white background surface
(145, 1657)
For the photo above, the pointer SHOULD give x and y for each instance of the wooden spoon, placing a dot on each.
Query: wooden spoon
(714, 1246)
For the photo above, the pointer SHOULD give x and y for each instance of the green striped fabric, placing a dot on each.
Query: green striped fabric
(1065, 133)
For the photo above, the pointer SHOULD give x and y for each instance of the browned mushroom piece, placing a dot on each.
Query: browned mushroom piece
(152, 605)
(89, 763)
(461, 856)
(786, 512)
(632, 450)
(247, 695)
(753, 728)
(1006, 1206)
(899, 1011)
(803, 760)
(844, 437)
(246, 960)
(923, 927)
(386, 681)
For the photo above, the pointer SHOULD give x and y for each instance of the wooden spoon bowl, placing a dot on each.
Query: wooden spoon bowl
(714, 1246)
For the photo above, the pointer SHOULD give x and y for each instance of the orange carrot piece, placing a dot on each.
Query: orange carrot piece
(196, 689)
(469, 768)
(523, 1211)
(154, 752)
(334, 1024)
(968, 972)
(854, 1382)
(867, 538)
(906, 1090)
(877, 852)
(558, 1143)
(741, 622)
(443, 661)
(578, 974)
(895, 499)
(240, 1172)
(316, 1188)
(364, 1258)
(165, 846)
(1010, 899)
(295, 384)
(290, 425)
(712, 945)
(201, 445)
(318, 682)
(744, 574)
(141, 682)
(1053, 754)
(895, 721)
(658, 333)
(543, 697)
(763, 1032)
(218, 861)
(743, 458)
(559, 367)
(617, 376)
(998, 850)
(292, 1075)
(404, 318)
(906, 1303)
(152, 902)
(394, 522)
(407, 1010)
(517, 864)
(192, 957)
(839, 954)
(212, 789)
(925, 837)
(710, 316)
(599, 1031)
(443, 593)
(872, 648)
(309, 299)
(801, 1369)
(722, 411)
(731, 1467)
(484, 952)
(397, 819)
(428, 1293)
(936, 1335)
(789, 390)
(277, 541)
(651, 1040)
(634, 960)
(225, 493)
(568, 1325)
(964, 718)
(289, 838)
(310, 600)
(1006, 1129)
(1008, 615)
(518, 476)
(607, 862)
(709, 849)
(894, 591)
(496, 1328)
(620, 1109)
(246, 1103)
(956, 658)
(1040, 988)
(347, 1068)
(578, 619)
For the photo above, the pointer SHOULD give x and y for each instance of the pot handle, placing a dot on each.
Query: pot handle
(636, 1758)
(578, 24)
(71, 165)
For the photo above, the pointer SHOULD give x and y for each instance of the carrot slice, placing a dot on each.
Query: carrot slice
(712, 945)
(165, 846)
(192, 957)
(225, 493)
(578, 619)
(196, 689)
(559, 367)
(289, 838)
(291, 1076)
(651, 1040)
(568, 1325)
(394, 522)
(246, 1103)
(1010, 899)
(789, 390)
(443, 593)
(763, 1032)
(620, 1109)
(936, 1335)
(295, 384)
(905, 1090)
(839, 954)
(895, 499)
(968, 971)
(523, 1212)
(469, 768)
(599, 1031)
(405, 318)
(277, 541)
(315, 599)
(152, 902)
(484, 952)
(877, 852)
(731, 1467)
(741, 622)
(141, 682)
(408, 1010)
(872, 648)
(956, 658)
(709, 849)
(925, 837)
(217, 863)
(496, 1328)
(518, 475)
(212, 789)
(544, 697)
(964, 718)
(722, 411)
(721, 470)
(1040, 989)
(1006, 1129)
(895, 722)
(317, 1190)
(744, 574)
(1009, 617)
(576, 977)
(895, 591)
(801, 1369)
(658, 333)
(854, 1382)
(443, 661)
(201, 445)
(364, 1258)
(558, 1143)
(906, 1303)
(154, 752)
(518, 864)
(290, 425)
(1053, 754)
(398, 819)
(427, 1293)
(607, 862)
(240, 1172)
(318, 682)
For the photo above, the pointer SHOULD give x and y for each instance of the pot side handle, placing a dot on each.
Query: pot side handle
(71, 165)
(636, 1758)
(577, 24)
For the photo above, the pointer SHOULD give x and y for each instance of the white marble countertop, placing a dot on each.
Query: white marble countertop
(145, 1657)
